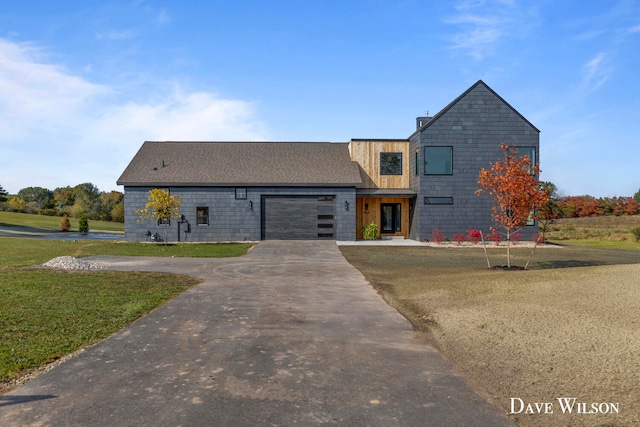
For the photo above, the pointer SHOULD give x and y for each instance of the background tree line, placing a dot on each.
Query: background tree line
(75, 201)
(587, 206)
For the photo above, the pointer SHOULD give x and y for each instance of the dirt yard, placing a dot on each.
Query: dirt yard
(567, 328)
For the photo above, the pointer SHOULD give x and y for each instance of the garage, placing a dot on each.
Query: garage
(298, 217)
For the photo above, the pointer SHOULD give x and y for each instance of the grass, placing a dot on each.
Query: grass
(52, 223)
(15, 252)
(45, 314)
(596, 229)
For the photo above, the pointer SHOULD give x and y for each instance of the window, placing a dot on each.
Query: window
(241, 193)
(417, 161)
(438, 200)
(528, 151)
(390, 163)
(202, 216)
(438, 160)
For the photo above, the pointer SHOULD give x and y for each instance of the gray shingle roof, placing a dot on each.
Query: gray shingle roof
(465, 93)
(241, 164)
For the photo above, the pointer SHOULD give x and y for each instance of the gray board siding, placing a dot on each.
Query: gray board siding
(229, 219)
(475, 127)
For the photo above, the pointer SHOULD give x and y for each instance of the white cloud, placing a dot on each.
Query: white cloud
(635, 29)
(596, 71)
(60, 129)
(483, 25)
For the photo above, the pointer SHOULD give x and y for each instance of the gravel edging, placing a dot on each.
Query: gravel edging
(72, 263)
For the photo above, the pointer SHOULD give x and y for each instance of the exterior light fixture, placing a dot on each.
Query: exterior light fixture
(250, 205)
(346, 205)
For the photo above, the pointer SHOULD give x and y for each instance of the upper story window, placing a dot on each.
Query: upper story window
(390, 163)
(528, 151)
(438, 160)
(417, 161)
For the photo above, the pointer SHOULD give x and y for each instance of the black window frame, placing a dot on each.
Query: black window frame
(388, 162)
(205, 216)
(425, 151)
(438, 200)
(241, 193)
(417, 158)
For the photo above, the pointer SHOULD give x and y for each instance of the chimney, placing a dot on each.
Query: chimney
(421, 121)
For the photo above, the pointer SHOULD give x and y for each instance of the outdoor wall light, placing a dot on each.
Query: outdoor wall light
(250, 205)
(346, 205)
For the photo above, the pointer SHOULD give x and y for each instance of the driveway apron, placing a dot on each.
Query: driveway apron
(290, 334)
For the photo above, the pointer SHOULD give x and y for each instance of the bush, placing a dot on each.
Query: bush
(459, 238)
(495, 238)
(474, 235)
(515, 237)
(437, 236)
(83, 223)
(370, 231)
(65, 225)
(636, 233)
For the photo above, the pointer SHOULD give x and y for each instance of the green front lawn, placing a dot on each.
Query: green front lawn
(45, 314)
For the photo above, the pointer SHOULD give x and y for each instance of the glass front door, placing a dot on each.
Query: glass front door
(391, 217)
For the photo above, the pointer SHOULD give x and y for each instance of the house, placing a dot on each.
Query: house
(236, 191)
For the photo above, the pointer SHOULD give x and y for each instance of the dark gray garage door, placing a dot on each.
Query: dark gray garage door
(298, 217)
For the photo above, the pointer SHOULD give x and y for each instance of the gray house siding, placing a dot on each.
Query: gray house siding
(475, 126)
(230, 219)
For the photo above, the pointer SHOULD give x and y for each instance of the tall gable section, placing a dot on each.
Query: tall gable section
(481, 109)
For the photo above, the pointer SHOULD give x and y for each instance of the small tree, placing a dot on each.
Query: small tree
(513, 186)
(65, 225)
(83, 223)
(161, 207)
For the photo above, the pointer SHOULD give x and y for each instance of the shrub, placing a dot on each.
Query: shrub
(83, 223)
(539, 238)
(65, 225)
(515, 237)
(636, 233)
(495, 238)
(459, 238)
(370, 231)
(474, 235)
(437, 236)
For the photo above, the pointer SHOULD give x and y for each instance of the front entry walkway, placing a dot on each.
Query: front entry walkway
(290, 334)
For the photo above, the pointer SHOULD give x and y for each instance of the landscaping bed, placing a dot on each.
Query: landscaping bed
(566, 328)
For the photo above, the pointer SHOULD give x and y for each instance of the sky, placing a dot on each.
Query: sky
(84, 84)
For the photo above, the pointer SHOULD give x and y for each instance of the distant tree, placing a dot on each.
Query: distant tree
(161, 207)
(636, 196)
(107, 203)
(87, 200)
(37, 195)
(513, 186)
(64, 197)
(83, 223)
(550, 210)
(3, 194)
(117, 213)
(65, 224)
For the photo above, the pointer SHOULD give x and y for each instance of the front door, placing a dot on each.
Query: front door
(391, 218)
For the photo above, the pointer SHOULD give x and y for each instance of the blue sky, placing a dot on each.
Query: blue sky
(83, 84)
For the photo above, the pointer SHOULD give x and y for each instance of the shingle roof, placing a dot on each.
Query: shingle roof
(465, 93)
(241, 164)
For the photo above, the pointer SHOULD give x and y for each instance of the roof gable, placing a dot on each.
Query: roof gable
(173, 163)
(461, 97)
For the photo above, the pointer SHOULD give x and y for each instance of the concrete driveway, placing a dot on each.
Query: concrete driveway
(289, 334)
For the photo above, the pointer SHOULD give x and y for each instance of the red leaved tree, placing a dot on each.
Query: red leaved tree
(513, 186)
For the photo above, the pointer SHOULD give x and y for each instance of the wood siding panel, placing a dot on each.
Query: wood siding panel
(373, 213)
(367, 154)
